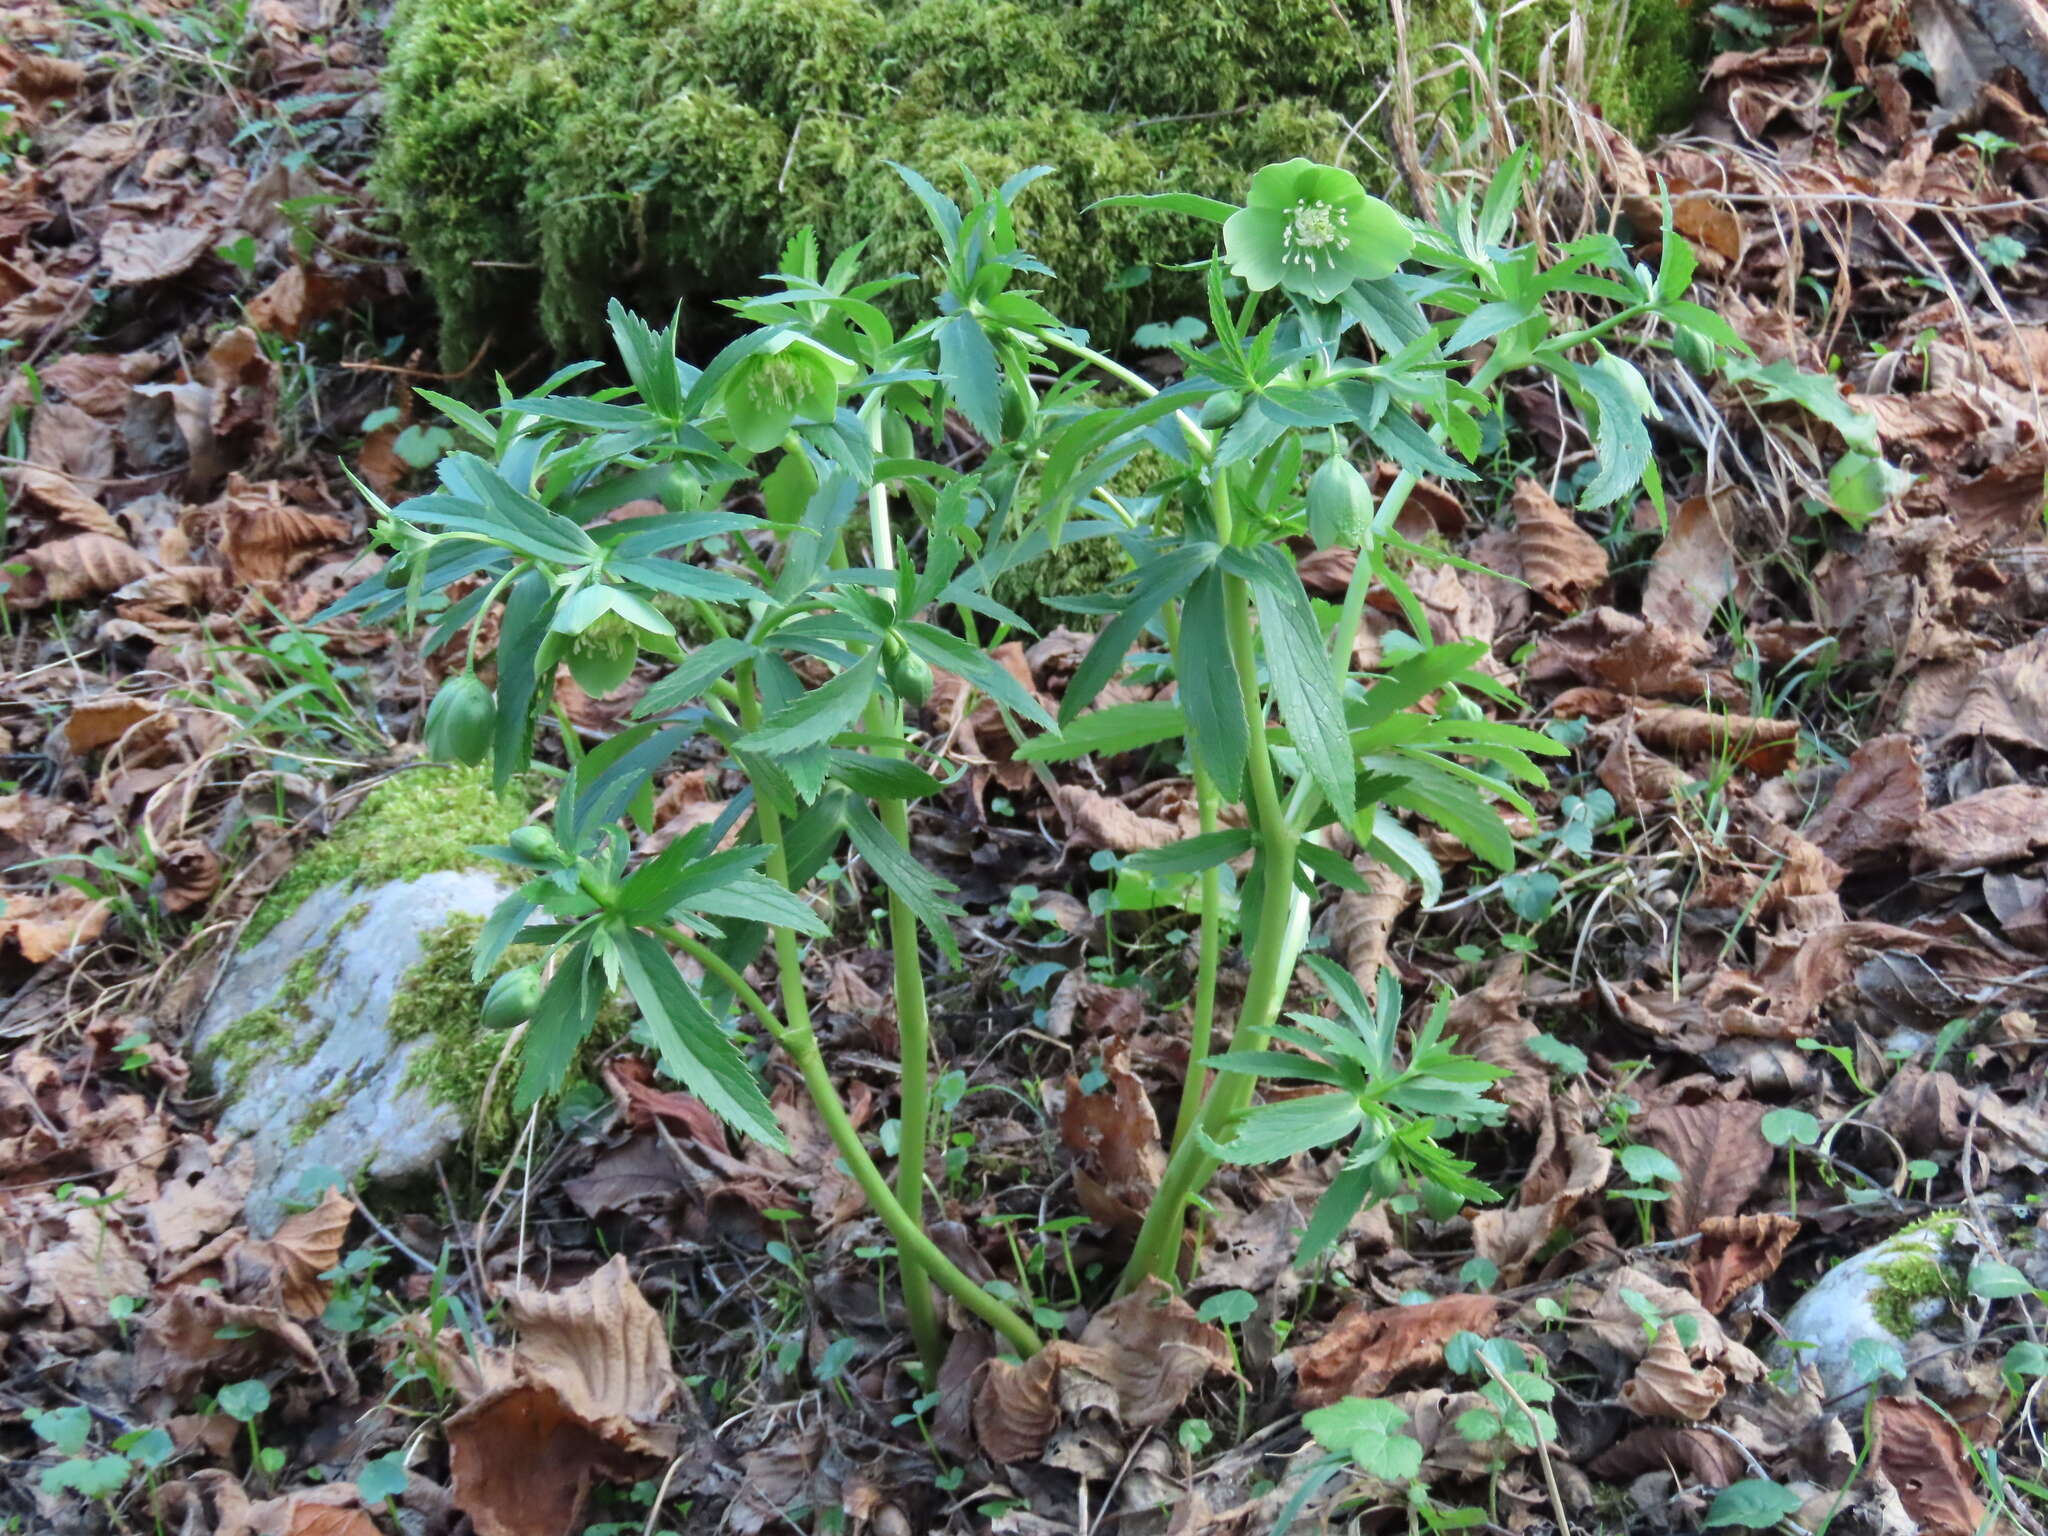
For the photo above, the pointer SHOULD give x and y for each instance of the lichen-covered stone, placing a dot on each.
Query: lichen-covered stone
(543, 157)
(1882, 1295)
(349, 1038)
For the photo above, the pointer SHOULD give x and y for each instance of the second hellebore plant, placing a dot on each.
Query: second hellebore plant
(596, 530)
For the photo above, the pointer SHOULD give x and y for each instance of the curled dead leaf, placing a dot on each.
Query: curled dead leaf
(1115, 1139)
(1667, 1386)
(1736, 1252)
(1015, 1411)
(1153, 1350)
(1563, 564)
(83, 566)
(1094, 820)
(45, 924)
(191, 874)
(1875, 807)
(1366, 1349)
(1706, 1457)
(1693, 571)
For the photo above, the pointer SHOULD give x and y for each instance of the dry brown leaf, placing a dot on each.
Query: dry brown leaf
(71, 570)
(188, 1210)
(1720, 1152)
(195, 1333)
(1638, 778)
(43, 925)
(2004, 701)
(101, 722)
(1488, 1024)
(602, 1347)
(1366, 1349)
(1875, 807)
(1994, 826)
(266, 538)
(307, 1245)
(57, 496)
(1921, 1455)
(295, 299)
(1736, 1252)
(1114, 1136)
(1096, 821)
(1630, 655)
(134, 252)
(521, 1462)
(1362, 921)
(1015, 1411)
(1693, 571)
(1563, 564)
(79, 1273)
(99, 382)
(190, 872)
(1709, 1459)
(1762, 746)
(1153, 1351)
(1666, 1386)
(1614, 1319)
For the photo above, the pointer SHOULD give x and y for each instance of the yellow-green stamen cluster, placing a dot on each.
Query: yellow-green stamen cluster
(1312, 229)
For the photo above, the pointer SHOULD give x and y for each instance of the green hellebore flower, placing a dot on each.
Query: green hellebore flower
(791, 377)
(1312, 230)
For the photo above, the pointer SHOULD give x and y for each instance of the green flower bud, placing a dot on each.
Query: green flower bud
(461, 720)
(1220, 410)
(1019, 406)
(908, 673)
(1698, 354)
(513, 997)
(1340, 505)
(602, 657)
(534, 843)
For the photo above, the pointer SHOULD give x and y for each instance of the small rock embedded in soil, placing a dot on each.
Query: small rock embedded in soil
(1879, 1297)
(299, 1038)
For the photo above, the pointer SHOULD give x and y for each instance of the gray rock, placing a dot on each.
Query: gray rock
(297, 1039)
(1877, 1297)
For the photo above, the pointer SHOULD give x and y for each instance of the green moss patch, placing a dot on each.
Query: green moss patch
(415, 824)
(543, 157)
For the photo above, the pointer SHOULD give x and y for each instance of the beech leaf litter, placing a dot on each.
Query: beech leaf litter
(1765, 983)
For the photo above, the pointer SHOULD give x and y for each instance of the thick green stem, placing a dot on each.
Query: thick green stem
(1272, 961)
(913, 1049)
(802, 1047)
(1202, 1022)
(885, 720)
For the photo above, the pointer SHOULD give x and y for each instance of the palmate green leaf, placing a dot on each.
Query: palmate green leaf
(972, 374)
(976, 666)
(568, 1009)
(611, 776)
(694, 1050)
(1209, 691)
(1159, 582)
(1192, 855)
(921, 890)
(1189, 204)
(1620, 440)
(682, 870)
(1119, 728)
(882, 778)
(1343, 1200)
(815, 717)
(1299, 668)
(527, 650)
(694, 676)
(1270, 1132)
(1279, 1064)
(1433, 793)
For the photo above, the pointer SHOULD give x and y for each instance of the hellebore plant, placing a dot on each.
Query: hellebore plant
(795, 639)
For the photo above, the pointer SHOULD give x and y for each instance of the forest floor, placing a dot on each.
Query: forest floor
(1766, 981)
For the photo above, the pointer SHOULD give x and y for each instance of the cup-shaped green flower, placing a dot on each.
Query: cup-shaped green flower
(791, 378)
(1313, 230)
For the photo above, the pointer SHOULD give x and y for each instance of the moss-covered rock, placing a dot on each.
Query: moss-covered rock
(543, 157)
(418, 823)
